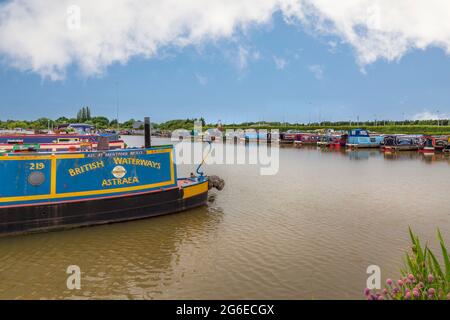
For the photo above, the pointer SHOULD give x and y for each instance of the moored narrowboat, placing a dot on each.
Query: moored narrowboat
(393, 143)
(338, 141)
(287, 137)
(360, 138)
(432, 144)
(77, 131)
(306, 138)
(58, 190)
(62, 144)
(335, 141)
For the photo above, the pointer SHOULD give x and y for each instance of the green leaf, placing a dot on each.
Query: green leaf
(437, 267)
(410, 264)
(411, 235)
(444, 255)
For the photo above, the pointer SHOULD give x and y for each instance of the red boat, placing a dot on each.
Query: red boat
(287, 137)
(61, 145)
(306, 138)
(432, 144)
(338, 141)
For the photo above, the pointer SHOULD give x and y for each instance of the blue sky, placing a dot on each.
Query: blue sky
(273, 72)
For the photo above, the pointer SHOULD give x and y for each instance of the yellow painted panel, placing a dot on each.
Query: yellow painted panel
(195, 190)
(158, 151)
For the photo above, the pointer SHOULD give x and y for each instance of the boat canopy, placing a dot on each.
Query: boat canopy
(82, 128)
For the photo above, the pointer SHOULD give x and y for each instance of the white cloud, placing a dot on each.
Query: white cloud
(280, 63)
(202, 80)
(42, 37)
(242, 57)
(317, 70)
(332, 46)
(427, 115)
(382, 28)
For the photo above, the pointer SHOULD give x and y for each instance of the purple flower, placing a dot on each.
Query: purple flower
(395, 290)
(389, 282)
(366, 291)
(408, 295)
(430, 278)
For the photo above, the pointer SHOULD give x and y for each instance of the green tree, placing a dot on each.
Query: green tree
(62, 120)
(100, 122)
(113, 123)
(84, 114)
(128, 124)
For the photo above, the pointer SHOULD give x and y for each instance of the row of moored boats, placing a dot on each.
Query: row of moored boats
(360, 138)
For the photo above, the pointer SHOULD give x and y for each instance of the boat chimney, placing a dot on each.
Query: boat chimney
(147, 132)
(103, 143)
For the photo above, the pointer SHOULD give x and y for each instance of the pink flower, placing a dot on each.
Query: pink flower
(380, 298)
(411, 276)
(366, 291)
(431, 292)
(416, 293)
(389, 282)
(430, 278)
(400, 282)
(408, 295)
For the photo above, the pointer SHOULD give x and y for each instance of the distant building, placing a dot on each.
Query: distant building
(138, 125)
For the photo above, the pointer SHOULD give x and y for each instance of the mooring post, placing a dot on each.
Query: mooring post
(147, 132)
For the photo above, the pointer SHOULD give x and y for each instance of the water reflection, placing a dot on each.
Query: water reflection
(361, 154)
(125, 260)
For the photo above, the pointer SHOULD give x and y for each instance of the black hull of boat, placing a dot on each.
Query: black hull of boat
(66, 215)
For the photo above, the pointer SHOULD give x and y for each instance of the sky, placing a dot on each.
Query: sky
(233, 61)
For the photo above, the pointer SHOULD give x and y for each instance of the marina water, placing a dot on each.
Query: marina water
(308, 232)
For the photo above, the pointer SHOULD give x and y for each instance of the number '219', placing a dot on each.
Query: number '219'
(37, 165)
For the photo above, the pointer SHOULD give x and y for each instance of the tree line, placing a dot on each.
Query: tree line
(101, 122)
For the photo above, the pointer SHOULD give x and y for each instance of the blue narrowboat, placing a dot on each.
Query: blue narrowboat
(360, 138)
(45, 191)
